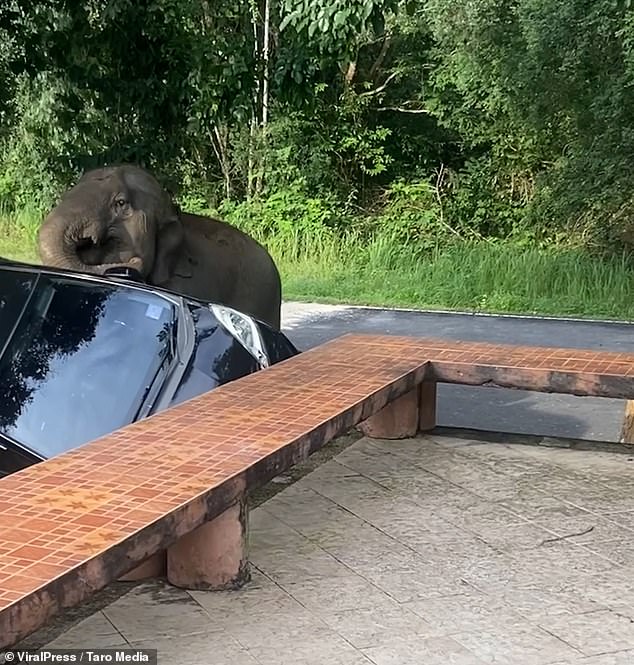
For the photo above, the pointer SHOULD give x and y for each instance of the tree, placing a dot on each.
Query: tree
(120, 81)
(546, 86)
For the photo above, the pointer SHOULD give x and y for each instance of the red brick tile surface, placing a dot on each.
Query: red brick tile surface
(57, 518)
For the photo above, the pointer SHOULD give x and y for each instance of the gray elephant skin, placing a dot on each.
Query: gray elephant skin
(120, 215)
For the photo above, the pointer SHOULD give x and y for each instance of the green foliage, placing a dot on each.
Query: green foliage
(410, 125)
(484, 201)
(411, 214)
(29, 176)
(319, 36)
(111, 81)
(545, 86)
(290, 215)
(334, 26)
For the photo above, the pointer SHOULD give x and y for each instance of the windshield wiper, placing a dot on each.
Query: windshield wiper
(169, 353)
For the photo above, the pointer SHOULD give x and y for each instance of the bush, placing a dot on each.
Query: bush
(289, 216)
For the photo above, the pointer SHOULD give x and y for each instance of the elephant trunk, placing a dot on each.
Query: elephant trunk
(59, 243)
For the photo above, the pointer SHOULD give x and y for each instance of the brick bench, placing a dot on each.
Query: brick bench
(170, 490)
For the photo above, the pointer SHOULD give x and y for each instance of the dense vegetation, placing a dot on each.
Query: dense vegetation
(359, 138)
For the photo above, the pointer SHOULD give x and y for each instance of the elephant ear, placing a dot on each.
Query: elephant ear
(171, 257)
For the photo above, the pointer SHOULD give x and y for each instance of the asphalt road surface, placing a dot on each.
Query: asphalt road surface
(493, 409)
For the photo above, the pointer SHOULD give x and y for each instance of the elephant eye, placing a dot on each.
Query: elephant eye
(121, 202)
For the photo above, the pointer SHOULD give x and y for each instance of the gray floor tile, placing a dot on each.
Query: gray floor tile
(599, 499)
(616, 658)
(351, 491)
(330, 649)
(521, 536)
(261, 596)
(620, 551)
(563, 556)
(285, 627)
(623, 519)
(596, 632)
(467, 612)
(534, 603)
(308, 561)
(581, 526)
(329, 595)
(481, 517)
(408, 585)
(613, 588)
(372, 626)
(102, 635)
(456, 554)
(430, 651)
(156, 610)
(514, 645)
(378, 556)
(411, 522)
(200, 649)
(532, 504)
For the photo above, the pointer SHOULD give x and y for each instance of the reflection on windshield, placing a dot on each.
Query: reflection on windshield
(15, 289)
(79, 362)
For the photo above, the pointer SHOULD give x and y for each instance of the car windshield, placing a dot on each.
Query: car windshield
(76, 358)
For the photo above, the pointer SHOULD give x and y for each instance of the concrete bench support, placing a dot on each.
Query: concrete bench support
(154, 566)
(627, 433)
(213, 557)
(404, 417)
(427, 406)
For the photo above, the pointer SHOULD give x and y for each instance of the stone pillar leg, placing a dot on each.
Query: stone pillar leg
(627, 433)
(396, 420)
(214, 556)
(427, 406)
(152, 567)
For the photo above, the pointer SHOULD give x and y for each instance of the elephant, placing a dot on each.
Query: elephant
(121, 216)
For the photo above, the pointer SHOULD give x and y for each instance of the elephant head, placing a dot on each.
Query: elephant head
(113, 216)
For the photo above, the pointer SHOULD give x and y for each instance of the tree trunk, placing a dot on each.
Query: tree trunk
(266, 39)
(253, 129)
(265, 61)
(220, 143)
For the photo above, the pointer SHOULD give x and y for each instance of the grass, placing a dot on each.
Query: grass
(18, 234)
(485, 277)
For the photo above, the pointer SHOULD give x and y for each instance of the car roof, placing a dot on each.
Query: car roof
(91, 277)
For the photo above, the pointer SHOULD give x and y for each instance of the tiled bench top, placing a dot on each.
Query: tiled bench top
(74, 523)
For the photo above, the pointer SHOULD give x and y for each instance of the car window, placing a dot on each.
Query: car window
(80, 362)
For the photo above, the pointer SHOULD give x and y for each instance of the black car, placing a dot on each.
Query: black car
(83, 355)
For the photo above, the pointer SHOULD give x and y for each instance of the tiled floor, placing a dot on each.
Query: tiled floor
(432, 551)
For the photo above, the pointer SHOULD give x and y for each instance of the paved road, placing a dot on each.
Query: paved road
(485, 408)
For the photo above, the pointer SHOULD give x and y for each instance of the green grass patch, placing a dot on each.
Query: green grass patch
(481, 276)
(18, 234)
(486, 277)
